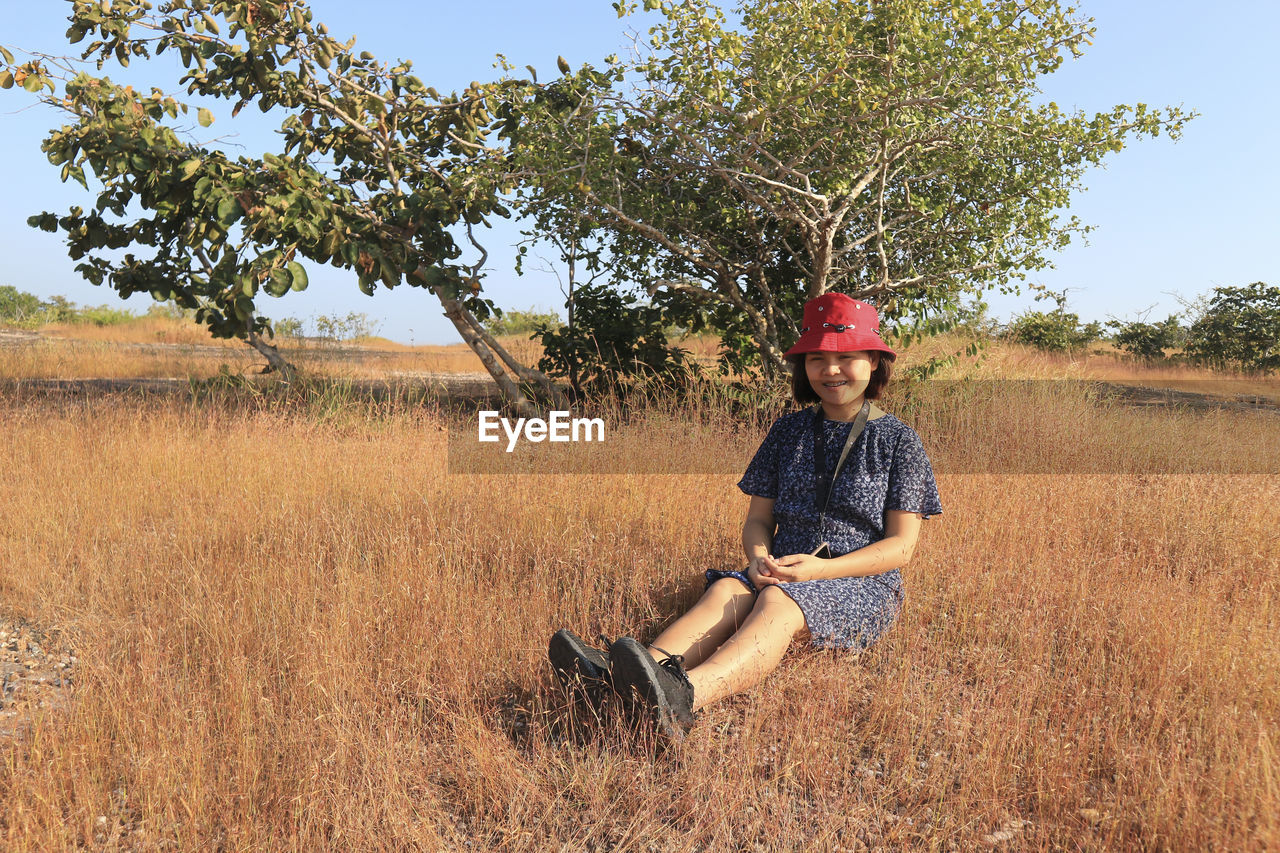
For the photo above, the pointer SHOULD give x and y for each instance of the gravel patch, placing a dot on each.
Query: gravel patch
(36, 675)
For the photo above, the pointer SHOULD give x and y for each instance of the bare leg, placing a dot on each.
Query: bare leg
(699, 632)
(752, 652)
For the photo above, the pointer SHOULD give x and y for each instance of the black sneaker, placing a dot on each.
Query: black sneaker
(661, 687)
(577, 663)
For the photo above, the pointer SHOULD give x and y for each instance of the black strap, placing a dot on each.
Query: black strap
(822, 480)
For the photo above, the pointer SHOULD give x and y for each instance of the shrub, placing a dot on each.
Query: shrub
(352, 327)
(103, 315)
(1148, 340)
(60, 309)
(1240, 327)
(521, 322)
(287, 327)
(612, 341)
(18, 308)
(171, 311)
(1058, 330)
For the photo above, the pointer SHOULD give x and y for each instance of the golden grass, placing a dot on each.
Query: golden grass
(143, 330)
(158, 347)
(296, 629)
(1006, 360)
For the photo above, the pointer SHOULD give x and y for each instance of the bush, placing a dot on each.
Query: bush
(18, 308)
(1148, 340)
(1053, 331)
(171, 311)
(1240, 328)
(612, 341)
(287, 327)
(60, 309)
(103, 315)
(974, 321)
(355, 326)
(521, 322)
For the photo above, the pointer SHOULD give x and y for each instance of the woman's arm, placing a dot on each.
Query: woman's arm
(901, 531)
(757, 538)
(757, 530)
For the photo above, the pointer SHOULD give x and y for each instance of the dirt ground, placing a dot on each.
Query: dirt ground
(37, 671)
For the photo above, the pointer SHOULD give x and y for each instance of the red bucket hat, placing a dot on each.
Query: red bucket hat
(837, 323)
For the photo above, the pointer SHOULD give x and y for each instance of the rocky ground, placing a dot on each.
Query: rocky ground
(37, 669)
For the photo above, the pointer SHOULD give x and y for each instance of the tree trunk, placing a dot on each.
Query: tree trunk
(275, 361)
(458, 315)
(527, 374)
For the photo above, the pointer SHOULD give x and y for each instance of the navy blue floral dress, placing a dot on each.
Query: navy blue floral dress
(886, 469)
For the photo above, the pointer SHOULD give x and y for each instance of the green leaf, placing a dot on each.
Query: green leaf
(8, 57)
(6, 79)
(44, 221)
(279, 282)
(31, 83)
(298, 275)
(434, 277)
(189, 168)
(228, 211)
(204, 117)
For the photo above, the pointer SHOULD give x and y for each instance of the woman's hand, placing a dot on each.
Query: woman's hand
(795, 567)
(760, 571)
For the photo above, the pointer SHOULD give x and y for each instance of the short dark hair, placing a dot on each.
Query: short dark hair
(804, 394)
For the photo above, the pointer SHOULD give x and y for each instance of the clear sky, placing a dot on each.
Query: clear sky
(1172, 218)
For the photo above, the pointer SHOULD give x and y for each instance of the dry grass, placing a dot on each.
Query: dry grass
(1005, 360)
(297, 630)
(158, 347)
(165, 347)
(143, 330)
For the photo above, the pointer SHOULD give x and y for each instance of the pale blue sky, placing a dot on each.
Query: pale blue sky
(1171, 218)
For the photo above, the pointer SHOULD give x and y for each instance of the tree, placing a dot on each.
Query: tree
(1240, 326)
(376, 174)
(1148, 340)
(893, 150)
(1058, 330)
(612, 340)
(521, 322)
(20, 308)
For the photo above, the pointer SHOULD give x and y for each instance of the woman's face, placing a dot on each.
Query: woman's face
(840, 378)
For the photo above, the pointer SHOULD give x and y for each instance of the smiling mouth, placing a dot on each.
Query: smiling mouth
(834, 384)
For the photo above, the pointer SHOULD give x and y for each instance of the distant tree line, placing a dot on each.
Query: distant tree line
(1233, 328)
(27, 311)
(22, 310)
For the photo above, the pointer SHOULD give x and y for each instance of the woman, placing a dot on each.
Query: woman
(844, 521)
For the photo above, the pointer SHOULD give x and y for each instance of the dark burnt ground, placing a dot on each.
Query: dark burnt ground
(1219, 398)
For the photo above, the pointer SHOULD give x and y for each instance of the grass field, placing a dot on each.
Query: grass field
(156, 346)
(295, 628)
(159, 347)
